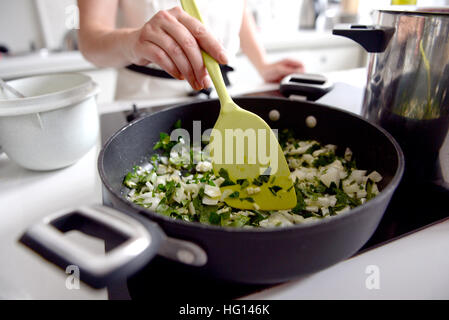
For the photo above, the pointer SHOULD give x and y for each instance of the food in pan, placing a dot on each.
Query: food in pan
(174, 185)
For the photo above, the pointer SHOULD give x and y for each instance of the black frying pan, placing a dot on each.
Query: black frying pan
(253, 256)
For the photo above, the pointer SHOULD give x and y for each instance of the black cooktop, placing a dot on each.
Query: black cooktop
(414, 206)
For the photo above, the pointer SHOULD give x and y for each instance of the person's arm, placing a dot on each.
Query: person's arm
(270, 72)
(98, 38)
(171, 38)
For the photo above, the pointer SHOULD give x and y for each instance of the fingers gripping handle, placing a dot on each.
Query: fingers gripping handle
(212, 66)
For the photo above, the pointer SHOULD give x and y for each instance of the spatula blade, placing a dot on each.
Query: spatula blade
(268, 185)
(245, 149)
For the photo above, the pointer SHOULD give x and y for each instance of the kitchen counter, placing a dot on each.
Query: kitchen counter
(414, 266)
(25, 198)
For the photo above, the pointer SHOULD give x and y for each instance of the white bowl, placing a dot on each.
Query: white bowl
(54, 126)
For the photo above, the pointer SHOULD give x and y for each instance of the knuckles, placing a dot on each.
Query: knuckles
(199, 31)
(163, 16)
(175, 50)
(147, 30)
(158, 56)
(176, 11)
(189, 42)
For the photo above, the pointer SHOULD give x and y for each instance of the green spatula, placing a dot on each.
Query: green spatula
(245, 150)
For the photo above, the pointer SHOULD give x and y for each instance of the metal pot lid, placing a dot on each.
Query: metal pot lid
(436, 10)
(48, 92)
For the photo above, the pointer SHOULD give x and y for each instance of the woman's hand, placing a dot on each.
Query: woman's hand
(275, 72)
(270, 72)
(172, 39)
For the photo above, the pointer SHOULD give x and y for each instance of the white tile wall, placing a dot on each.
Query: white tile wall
(19, 25)
(56, 20)
(42, 22)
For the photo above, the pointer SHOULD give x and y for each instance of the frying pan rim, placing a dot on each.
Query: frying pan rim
(322, 223)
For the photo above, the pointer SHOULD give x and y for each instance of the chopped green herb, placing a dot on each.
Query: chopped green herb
(243, 183)
(225, 175)
(274, 189)
(214, 218)
(155, 158)
(344, 200)
(313, 148)
(239, 221)
(285, 136)
(177, 124)
(177, 190)
(300, 204)
(234, 195)
(349, 165)
(260, 180)
(324, 160)
(259, 216)
(130, 180)
(249, 199)
(369, 190)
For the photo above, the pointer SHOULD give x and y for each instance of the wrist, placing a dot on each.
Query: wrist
(259, 62)
(128, 40)
(261, 66)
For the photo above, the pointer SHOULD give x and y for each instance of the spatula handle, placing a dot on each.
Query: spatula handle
(212, 66)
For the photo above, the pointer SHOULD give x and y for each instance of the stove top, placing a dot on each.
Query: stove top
(413, 207)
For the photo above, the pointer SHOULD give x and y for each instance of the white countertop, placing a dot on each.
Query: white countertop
(25, 198)
(412, 267)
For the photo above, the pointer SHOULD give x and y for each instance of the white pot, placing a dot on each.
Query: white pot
(55, 125)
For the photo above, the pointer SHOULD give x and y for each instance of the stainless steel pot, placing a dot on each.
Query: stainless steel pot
(408, 80)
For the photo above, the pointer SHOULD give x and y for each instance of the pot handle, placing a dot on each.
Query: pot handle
(305, 86)
(373, 39)
(132, 243)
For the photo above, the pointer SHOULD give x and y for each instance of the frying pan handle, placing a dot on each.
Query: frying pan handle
(132, 243)
(305, 86)
(371, 38)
